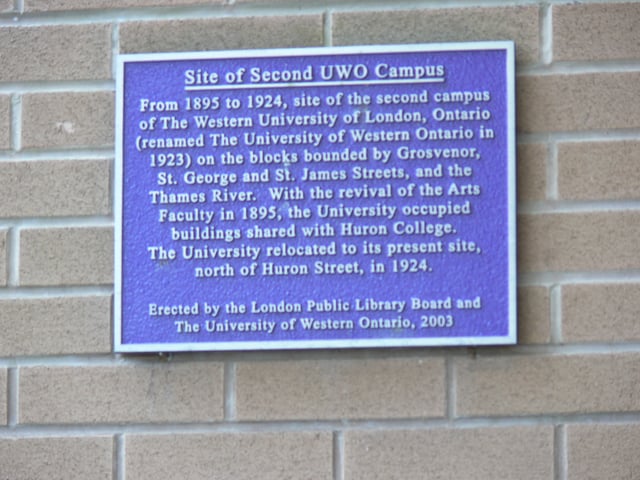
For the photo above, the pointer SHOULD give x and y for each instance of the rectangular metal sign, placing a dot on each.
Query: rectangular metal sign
(316, 198)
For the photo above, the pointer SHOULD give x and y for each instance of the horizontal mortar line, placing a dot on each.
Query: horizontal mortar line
(226, 11)
(433, 353)
(111, 359)
(54, 289)
(579, 68)
(70, 154)
(80, 360)
(292, 426)
(582, 278)
(158, 14)
(621, 418)
(456, 353)
(557, 350)
(57, 222)
(53, 86)
(383, 5)
(582, 136)
(337, 354)
(196, 12)
(41, 293)
(55, 155)
(589, 206)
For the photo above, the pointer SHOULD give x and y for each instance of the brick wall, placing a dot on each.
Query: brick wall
(562, 405)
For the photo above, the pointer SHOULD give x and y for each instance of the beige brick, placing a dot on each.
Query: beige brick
(63, 120)
(478, 453)
(230, 456)
(222, 34)
(3, 399)
(345, 388)
(52, 188)
(157, 392)
(532, 172)
(60, 52)
(578, 241)
(57, 5)
(441, 25)
(54, 326)
(6, 5)
(534, 385)
(3, 257)
(5, 122)
(66, 256)
(603, 451)
(601, 313)
(598, 170)
(572, 103)
(596, 32)
(534, 324)
(54, 458)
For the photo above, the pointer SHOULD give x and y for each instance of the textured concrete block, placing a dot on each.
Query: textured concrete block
(536, 385)
(605, 31)
(57, 5)
(66, 256)
(327, 389)
(59, 52)
(55, 326)
(6, 5)
(230, 456)
(578, 241)
(222, 34)
(601, 313)
(63, 458)
(534, 310)
(603, 451)
(532, 172)
(482, 453)
(53, 188)
(441, 25)
(598, 170)
(158, 392)
(5, 122)
(593, 101)
(67, 120)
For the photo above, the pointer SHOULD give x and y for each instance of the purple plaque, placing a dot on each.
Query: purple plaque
(316, 198)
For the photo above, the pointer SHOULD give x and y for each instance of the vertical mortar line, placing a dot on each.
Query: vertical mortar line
(13, 240)
(16, 122)
(328, 28)
(12, 396)
(13, 257)
(560, 452)
(115, 49)
(338, 455)
(13, 236)
(230, 391)
(555, 297)
(118, 457)
(19, 6)
(546, 34)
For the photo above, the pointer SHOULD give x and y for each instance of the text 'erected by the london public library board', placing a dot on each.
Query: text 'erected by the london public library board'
(316, 198)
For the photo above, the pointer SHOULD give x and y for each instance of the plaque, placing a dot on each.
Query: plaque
(315, 198)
